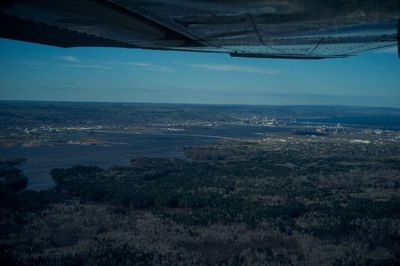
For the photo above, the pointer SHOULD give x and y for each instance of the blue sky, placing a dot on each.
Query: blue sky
(38, 72)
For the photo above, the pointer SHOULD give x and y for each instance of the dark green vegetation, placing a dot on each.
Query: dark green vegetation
(10, 176)
(285, 200)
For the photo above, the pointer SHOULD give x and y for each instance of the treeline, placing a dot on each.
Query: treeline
(208, 192)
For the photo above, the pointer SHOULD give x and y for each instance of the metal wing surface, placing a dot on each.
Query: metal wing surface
(291, 29)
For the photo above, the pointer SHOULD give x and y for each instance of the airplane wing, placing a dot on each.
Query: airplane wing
(290, 29)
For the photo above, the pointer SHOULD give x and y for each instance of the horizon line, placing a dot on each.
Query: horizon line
(202, 104)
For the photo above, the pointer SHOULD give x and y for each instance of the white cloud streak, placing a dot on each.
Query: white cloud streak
(151, 67)
(87, 66)
(141, 64)
(74, 62)
(34, 64)
(69, 58)
(233, 68)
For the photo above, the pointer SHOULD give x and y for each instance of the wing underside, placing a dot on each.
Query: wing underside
(294, 29)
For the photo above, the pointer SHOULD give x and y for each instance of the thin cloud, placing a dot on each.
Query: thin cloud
(141, 64)
(233, 68)
(151, 67)
(88, 66)
(69, 58)
(41, 65)
(34, 64)
(74, 62)
(165, 69)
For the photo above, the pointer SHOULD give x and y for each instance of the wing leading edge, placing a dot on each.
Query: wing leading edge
(290, 29)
